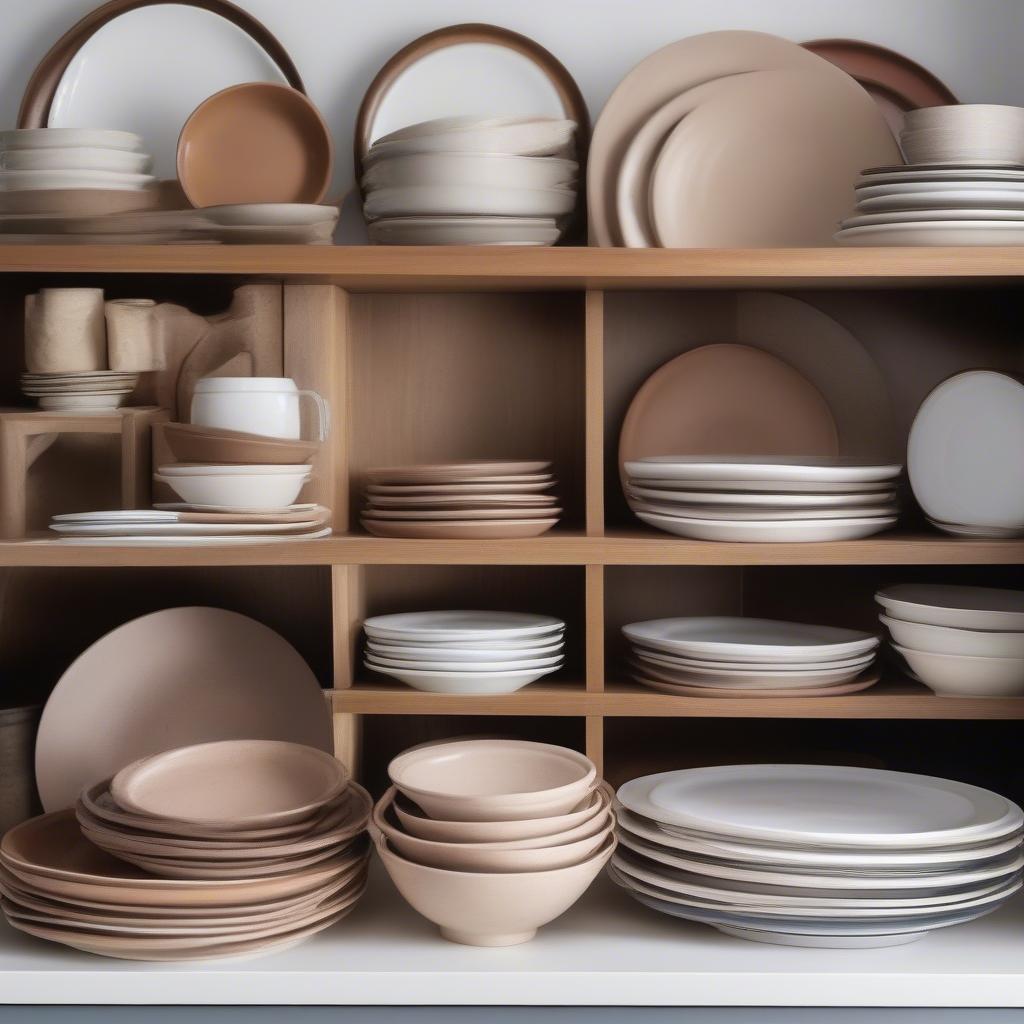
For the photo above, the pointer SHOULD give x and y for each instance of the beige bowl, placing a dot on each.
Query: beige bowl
(556, 851)
(493, 780)
(193, 443)
(480, 909)
(969, 133)
(415, 823)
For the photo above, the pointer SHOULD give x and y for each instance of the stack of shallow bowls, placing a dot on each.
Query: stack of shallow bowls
(467, 181)
(461, 500)
(741, 657)
(81, 390)
(963, 183)
(736, 498)
(809, 855)
(465, 651)
(958, 641)
(217, 850)
(490, 839)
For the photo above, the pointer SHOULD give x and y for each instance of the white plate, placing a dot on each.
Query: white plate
(24, 181)
(503, 513)
(525, 135)
(824, 806)
(764, 499)
(455, 501)
(468, 489)
(949, 640)
(960, 530)
(824, 860)
(749, 681)
(808, 532)
(183, 506)
(475, 667)
(266, 215)
(685, 661)
(177, 540)
(759, 474)
(945, 604)
(923, 173)
(465, 231)
(76, 403)
(493, 170)
(458, 626)
(954, 675)
(261, 469)
(77, 158)
(204, 673)
(455, 200)
(938, 214)
(148, 69)
(466, 682)
(954, 232)
(737, 639)
(77, 138)
(173, 529)
(735, 514)
(458, 654)
(963, 455)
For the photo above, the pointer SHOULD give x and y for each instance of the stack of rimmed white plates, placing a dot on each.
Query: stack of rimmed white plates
(736, 498)
(471, 181)
(217, 850)
(958, 641)
(94, 389)
(461, 500)
(465, 651)
(740, 657)
(808, 855)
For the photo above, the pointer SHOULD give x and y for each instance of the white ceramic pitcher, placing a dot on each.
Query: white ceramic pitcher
(256, 405)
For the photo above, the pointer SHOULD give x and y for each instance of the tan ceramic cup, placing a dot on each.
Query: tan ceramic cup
(65, 331)
(132, 343)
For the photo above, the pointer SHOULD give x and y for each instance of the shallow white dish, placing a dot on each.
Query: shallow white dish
(929, 172)
(804, 532)
(955, 675)
(954, 232)
(763, 474)
(729, 677)
(176, 540)
(945, 604)
(819, 805)
(938, 214)
(494, 170)
(22, 181)
(766, 499)
(466, 682)
(60, 138)
(684, 661)
(736, 514)
(960, 530)
(464, 231)
(148, 69)
(465, 200)
(74, 403)
(75, 158)
(249, 490)
(459, 626)
(472, 667)
(529, 135)
(950, 640)
(458, 654)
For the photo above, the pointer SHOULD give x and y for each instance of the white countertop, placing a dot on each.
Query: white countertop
(607, 950)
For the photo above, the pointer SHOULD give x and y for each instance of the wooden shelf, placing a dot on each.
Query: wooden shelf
(386, 268)
(559, 700)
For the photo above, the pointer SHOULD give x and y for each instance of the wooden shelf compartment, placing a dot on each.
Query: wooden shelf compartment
(380, 697)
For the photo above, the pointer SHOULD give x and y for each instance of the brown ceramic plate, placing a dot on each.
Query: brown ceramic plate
(506, 529)
(259, 142)
(191, 443)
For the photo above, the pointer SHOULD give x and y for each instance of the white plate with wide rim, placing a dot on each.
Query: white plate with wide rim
(461, 625)
(465, 231)
(684, 661)
(938, 214)
(949, 640)
(78, 158)
(451, 200)
(475, 667)
(148, 69)
(954, 232)
(923, 173)
(501, 170)
(946, 604)
(769, 500)
(823, 805)
(811, 531)
(767, 679)
(734, 514)
(465, 682)
(648, 679)
(459, 654)
(742, 489)
(779, 856)
(31, 181)
(734, 639)
(763, 474)
(471, 647)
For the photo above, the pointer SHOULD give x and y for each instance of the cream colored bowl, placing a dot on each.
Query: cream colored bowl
(480, 909)
(493, 780)
(415, 823)
(553, 852)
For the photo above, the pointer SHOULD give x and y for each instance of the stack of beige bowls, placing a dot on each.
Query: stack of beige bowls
(222, 849)
(489, 838)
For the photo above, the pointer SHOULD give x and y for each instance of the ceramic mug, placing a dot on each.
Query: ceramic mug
(256, 405)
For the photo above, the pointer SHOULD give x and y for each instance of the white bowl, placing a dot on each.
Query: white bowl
(492, 169)
(953, 675)
(465, 682)
(919, 636)
(465, 200)
(946, 604)
(249, 490)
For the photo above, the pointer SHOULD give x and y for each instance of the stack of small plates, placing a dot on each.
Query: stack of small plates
(465, 651)
(96, 389)
(725, 498)
(808, 855)
(741, 657)
(467, 181)
(461, 500)
(958, 641)
(217, 850)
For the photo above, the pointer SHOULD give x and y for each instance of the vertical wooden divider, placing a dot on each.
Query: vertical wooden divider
(594, 490)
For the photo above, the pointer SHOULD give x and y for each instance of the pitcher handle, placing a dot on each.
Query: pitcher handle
(323, 412)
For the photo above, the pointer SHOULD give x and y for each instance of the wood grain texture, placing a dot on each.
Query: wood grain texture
(594, 341)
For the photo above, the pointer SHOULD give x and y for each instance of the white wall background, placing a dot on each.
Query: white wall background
(975, 46)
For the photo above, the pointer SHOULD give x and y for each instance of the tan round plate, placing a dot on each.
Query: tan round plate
(259, 142)
(727, 400)
(443, 502)
(453, 472)
(681, 690)
(463, 514)
(505, 529)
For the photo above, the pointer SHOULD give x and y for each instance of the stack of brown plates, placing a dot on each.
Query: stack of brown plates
(461, 500)
(141, 884)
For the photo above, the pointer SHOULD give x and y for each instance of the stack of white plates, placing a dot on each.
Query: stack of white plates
(468, 181)
(739, 498)
(461, 500)
(959, 641)
(807, 855)
(95, 389)
(741, 657)
(465, 651)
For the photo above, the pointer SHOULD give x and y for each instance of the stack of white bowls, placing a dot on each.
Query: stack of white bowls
(958, 641)
(963, 183)
(741, 657)
(808, 855)
(465, 651)
(209, 851)
(736, 498)
(490, 839)
(67, 159)
(471, 181)
(92, 390)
